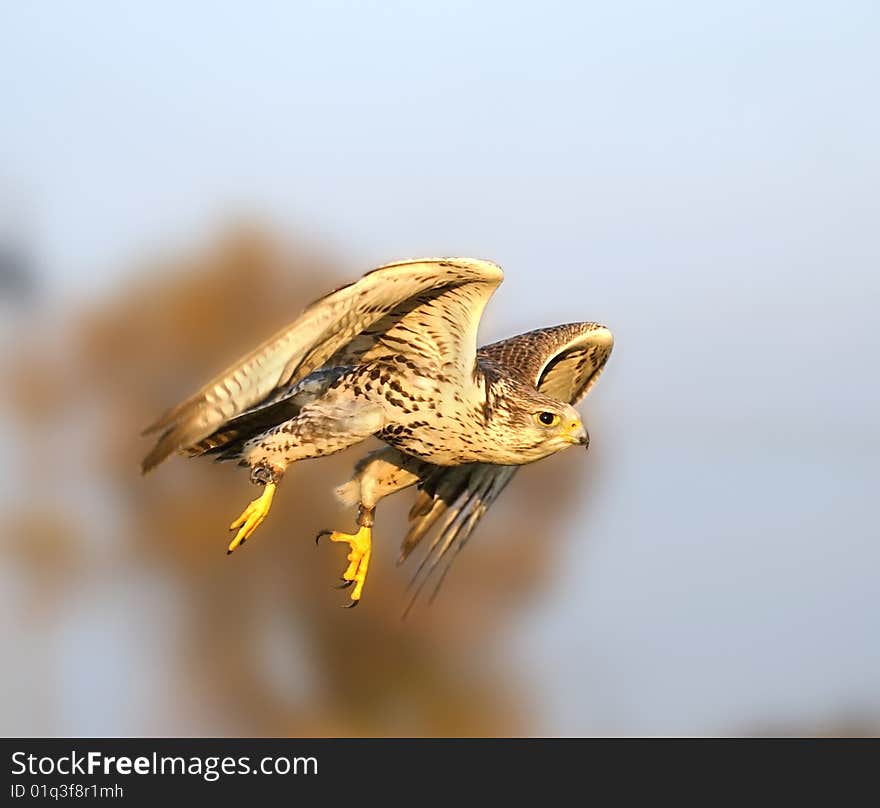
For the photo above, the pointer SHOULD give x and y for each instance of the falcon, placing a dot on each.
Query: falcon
(394, 355)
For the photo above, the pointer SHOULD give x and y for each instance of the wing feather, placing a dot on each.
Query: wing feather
(563, 361)
(378, 311)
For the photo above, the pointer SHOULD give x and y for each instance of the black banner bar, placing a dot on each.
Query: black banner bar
(141, 770)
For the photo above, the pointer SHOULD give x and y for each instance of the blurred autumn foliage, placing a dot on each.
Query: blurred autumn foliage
(253, 643)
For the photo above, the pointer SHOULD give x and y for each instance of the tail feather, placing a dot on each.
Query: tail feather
(185, 432)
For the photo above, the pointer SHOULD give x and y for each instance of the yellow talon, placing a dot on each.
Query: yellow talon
(358, 558)
(252, 517)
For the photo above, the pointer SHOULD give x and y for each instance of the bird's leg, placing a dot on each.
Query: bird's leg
(360, 545)
(257, 510)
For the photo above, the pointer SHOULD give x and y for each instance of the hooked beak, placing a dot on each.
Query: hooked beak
(578, 434)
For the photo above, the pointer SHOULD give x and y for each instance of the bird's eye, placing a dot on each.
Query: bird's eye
(548, 418)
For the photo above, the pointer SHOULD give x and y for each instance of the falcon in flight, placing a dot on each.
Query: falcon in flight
(394, 355)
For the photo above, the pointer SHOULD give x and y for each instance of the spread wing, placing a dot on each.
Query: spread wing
(427, 310)
(563, 362)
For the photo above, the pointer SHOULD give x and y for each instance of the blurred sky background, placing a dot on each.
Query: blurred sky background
(701, 177)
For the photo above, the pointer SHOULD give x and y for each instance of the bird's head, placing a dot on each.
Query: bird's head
(537, 426)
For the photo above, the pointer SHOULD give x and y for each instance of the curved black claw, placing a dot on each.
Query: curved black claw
(351, 605)
(322, 533)
(344, 585)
